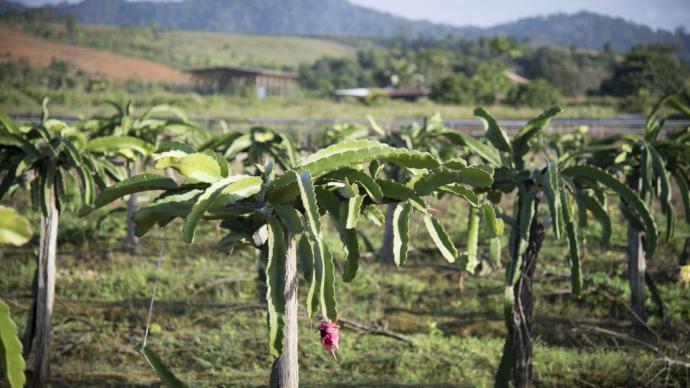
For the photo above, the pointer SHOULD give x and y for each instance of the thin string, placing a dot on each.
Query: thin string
(153, 294)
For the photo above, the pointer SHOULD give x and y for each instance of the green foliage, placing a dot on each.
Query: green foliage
(484, 86)
(332, 181)
(650, 68)
(122, 144)
(275, 282)
(14, 229)
(11, 360)
(196, 166)
(166, 376)
(306, 188)
(565, 182)
(440, 237)
(574, 254)
(401, 232)
(343, 132)
(469, 260)
(648, 163)
(47, 157)
(375, 96)
(535, 94)
(552, 190)
(453, 89)
(259, 144)
(132, 185)
(57, 76)
(570, 72)
(494, 133)
(223, 192)
(149, 128)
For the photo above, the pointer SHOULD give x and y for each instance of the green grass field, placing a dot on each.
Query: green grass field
(209, 322)
(67, 102)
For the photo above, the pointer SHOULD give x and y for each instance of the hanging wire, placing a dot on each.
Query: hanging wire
(153, 294)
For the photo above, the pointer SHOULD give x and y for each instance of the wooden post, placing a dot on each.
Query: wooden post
(45, 292)
(683, 259)
(288, 368)
(523, 317)
(637, 266)
(518, 348)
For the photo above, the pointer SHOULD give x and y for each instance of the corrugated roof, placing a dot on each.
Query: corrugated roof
(516, 78)
(243, 70)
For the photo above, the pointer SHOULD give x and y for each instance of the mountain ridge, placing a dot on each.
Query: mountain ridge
(340, 18)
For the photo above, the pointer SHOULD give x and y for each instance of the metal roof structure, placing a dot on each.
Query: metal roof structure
(243, 71)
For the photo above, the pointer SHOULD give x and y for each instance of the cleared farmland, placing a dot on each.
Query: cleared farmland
(16, 45)
(184, 49)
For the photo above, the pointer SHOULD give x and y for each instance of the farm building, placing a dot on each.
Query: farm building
(405, 94)
(516, 78)
(266, 82)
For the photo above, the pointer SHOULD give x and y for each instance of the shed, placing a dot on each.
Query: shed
(266, 82)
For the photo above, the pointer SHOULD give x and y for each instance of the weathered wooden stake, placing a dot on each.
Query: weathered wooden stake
(45, 292)
(523, 318)
(637, 266)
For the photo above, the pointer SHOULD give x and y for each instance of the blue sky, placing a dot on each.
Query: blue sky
(665, 14)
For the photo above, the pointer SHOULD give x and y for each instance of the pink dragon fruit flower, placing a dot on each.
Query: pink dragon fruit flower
(330, 334)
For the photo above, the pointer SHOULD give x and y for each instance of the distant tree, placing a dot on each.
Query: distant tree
(607, 48)
(535, 94)
(486, 86)
(490, 83)
(454, 89)
(71, 26)
(651, 68)
(573, 72)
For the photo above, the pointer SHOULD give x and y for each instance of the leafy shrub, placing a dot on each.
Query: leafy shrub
(375, 96)
(535, 94)
(654, 68)
(454, 89)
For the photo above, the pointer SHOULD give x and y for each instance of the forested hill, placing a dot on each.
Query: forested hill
(291, 17)
(341, 18)
(7, 6)
(585, 29)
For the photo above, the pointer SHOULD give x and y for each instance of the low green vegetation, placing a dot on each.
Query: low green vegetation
(73, 91)
(210, 328)
(444, 302)
(555, 307)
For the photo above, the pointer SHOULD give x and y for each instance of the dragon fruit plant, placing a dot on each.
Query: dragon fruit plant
(282, 213)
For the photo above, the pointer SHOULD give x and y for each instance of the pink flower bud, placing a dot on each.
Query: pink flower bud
(330, 334)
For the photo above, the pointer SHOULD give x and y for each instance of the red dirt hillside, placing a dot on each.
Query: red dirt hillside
(15, 45)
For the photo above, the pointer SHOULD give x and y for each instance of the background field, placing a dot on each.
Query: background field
(16, 45)
(188, 49)
(302, 108)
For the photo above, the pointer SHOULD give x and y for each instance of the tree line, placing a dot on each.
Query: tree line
(459, 71)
